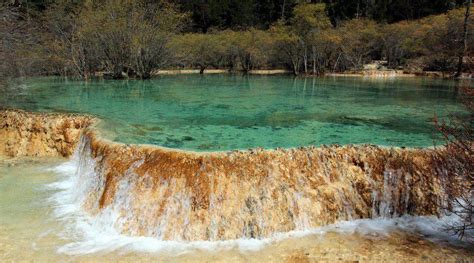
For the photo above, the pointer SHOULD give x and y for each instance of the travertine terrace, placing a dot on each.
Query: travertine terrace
(179, 195)
(39, 134)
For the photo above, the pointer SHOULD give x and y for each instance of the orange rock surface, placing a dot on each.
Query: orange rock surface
(39, 134)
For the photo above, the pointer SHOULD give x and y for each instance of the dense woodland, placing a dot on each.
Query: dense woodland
(134, 38)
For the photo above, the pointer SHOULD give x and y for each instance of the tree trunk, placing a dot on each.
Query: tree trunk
(201, 70)
(305, 57)
(247, 63)
(337, 61)
(232, 64)
(357, 10)
(295, 67)
(464, 38)
(314, 59)
(283, 10)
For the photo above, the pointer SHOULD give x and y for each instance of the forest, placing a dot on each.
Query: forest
(134, 39)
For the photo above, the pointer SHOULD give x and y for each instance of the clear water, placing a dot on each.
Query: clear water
(223, 112)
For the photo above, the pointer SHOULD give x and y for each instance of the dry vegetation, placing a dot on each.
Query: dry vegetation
(458, 164)
(126, 38)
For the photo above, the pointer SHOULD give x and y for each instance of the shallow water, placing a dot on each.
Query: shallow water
(222, 112)
(36, 223)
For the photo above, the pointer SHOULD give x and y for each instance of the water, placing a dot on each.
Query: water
(44, 209)
(223, 112)
(38, 222)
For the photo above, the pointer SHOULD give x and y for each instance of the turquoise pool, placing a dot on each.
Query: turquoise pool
(224, 112)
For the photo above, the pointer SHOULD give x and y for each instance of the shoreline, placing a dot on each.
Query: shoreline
(273, 72)
(389, 73)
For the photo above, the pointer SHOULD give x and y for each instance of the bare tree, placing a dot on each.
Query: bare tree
(468, 4)
(456, 163)
(18, 41)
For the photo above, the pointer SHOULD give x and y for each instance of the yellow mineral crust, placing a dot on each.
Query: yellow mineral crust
(39, 134)
(181, 195)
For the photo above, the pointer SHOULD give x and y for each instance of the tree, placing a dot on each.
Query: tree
(387, 11)
(360, 43)
(155, 25)
(399, 43)
(309, 22)
(196, 49)
(131, 36)
(125, 38)
(20, 52)
(464, 38)
(66, 48)
(456, 164)
(251, 47)
(9, 39)
(288, 46)
(442, 41)
(326, 50)
(235, 14)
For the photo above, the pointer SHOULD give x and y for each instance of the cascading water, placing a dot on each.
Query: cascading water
(394, 193)
(177, 196)
(112, 196)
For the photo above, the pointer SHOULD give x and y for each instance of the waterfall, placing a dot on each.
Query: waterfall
(184, 196)
(395, 193)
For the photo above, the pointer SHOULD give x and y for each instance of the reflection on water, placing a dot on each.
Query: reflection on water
(221, 112)
(30, 230)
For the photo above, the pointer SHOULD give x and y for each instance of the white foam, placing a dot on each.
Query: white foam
(97, 233)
